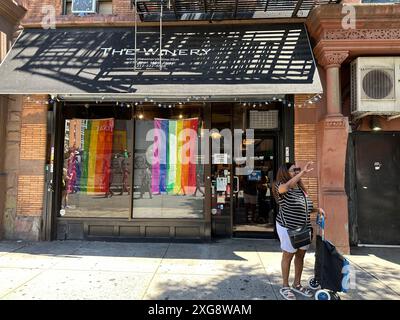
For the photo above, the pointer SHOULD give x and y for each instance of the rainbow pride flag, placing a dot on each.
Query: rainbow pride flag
(96, 168)
(174, 156)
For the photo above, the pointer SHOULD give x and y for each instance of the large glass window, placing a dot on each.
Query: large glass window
(96, 179)
(169, 173)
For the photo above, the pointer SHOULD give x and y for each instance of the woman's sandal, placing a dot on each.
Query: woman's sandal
(303, 291)
(287, 293)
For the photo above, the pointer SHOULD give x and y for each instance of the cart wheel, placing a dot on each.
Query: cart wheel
(335, 296)
(322, 295)
(313, 284)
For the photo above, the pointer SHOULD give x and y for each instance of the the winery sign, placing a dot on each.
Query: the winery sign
(154, 52)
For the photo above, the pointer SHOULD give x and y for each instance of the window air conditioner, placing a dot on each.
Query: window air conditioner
(375, 85)
(84, 6)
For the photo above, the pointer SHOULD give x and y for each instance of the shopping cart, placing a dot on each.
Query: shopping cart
(331, 269)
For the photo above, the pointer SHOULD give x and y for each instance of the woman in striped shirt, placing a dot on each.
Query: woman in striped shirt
(294, 210)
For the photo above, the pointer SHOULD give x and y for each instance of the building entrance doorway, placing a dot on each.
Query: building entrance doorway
(253, 205)
(242, 204)
(377, 187)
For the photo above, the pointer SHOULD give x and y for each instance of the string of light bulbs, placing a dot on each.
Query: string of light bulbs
(195, 99)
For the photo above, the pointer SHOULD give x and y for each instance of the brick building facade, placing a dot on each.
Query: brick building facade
(11, 12)
(321, 128)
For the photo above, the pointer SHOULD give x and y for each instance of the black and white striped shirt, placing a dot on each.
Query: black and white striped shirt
(292, 208)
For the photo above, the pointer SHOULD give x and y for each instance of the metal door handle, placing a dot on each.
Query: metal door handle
(237, 184)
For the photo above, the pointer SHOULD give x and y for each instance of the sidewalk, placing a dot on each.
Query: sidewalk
(224, 269)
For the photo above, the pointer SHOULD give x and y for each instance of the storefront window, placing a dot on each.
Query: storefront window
(169, 173)
(97, 168)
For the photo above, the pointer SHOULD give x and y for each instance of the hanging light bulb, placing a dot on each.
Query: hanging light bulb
(375, 124)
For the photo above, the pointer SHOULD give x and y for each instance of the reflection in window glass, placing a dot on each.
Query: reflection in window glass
(96, 173)
(169, 177)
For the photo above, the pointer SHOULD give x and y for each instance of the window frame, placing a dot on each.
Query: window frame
(66, 2)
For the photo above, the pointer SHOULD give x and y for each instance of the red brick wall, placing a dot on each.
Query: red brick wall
(305, 143)
(122, 7)
(35, 8)
(32, 156)
(122, 11)
(30, 195)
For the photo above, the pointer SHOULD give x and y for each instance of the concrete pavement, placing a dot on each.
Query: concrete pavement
(224, 269)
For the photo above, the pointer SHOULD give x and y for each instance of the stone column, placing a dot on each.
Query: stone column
(333, 134)
(331, 61)
(11, 11)
(11, 165)
(3, 122)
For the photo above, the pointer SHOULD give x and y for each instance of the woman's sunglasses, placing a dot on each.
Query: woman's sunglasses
(295, 170)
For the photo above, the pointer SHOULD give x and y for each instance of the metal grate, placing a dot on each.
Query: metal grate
(378, 84)
(227, 9)
(264, 119)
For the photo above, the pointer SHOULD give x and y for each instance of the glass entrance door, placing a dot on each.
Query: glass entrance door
(253, 206)
(241, 201)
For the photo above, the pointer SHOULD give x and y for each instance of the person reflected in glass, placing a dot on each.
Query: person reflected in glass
(146, 183)
(125, 173)
(198, 184)
(65, 181)
(262, 199)
(250, 199)
(108, 178)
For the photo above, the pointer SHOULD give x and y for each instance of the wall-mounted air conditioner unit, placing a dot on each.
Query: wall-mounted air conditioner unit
(84, 6)
(375, 85)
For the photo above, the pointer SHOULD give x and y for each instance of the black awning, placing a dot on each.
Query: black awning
(212, 60)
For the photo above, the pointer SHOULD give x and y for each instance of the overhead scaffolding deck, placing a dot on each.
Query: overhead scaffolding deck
(175, 10)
